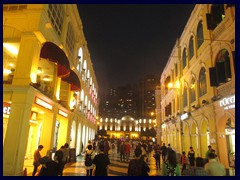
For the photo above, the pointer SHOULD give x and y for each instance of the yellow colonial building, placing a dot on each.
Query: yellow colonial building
(50, 91)
(127, 127)
(196, 99)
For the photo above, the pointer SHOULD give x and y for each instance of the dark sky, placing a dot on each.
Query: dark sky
(128, 41)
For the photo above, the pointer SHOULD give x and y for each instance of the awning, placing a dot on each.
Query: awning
(73, 80)
(55, 54)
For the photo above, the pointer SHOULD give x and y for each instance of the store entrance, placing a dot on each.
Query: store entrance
(230, 138)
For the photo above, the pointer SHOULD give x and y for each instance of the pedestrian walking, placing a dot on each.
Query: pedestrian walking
(214, 167)
(122, 151)
(137, 166)
(58, 157)
(89, 156)
(164, 152)
(36, 157)
(183, 162)
(170, 166)
(128, 148)
(100, 163)
(208, 152)
(157, 158)
(191, 156)
(65, 158)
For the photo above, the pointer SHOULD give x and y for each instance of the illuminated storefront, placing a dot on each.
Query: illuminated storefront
(42, 83)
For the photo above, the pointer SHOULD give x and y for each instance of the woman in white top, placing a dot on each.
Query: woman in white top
(89, 156)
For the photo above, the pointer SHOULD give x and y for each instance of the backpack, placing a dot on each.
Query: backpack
(171, 171)
(88, 160)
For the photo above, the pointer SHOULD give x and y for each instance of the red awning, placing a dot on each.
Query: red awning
(73, 80)
(55, 54)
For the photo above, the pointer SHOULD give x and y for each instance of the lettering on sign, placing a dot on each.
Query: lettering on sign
(184, 116)
(6, 110)
(43, 103)
(228, 102)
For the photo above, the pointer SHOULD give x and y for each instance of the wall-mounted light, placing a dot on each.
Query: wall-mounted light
(46, 78)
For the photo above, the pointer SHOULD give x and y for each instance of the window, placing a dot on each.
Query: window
(191, 48)
(56, 14)
(70, 38)
(216, 16)
(185, 96)
(223, 66)
(80, 57)
(200, 37)
(202, 82)
(184, 58)
(14, 7)
(192, 91)
(176, 70)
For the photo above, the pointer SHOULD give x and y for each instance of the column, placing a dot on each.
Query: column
(27, 60)
(17, 132)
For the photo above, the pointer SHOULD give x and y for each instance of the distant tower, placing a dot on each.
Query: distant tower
(147, 103)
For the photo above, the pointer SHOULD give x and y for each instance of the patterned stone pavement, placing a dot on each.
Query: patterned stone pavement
(116, 168)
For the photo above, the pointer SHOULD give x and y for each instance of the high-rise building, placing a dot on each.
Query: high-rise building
(146, 95)
(119, 102)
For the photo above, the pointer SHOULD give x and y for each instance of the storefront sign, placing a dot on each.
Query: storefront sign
(184, 116)
(6, 110)
(228, 103)
(43, 103)
(62, 113)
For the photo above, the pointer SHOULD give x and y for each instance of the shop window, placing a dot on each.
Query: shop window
(202, 82)
(200, 36)
(64, 93)
(46, 76)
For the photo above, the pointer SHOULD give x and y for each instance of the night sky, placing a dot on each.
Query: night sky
(129, 41)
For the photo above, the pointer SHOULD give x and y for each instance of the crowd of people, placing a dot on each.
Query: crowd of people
(96, 157)
(50, 166)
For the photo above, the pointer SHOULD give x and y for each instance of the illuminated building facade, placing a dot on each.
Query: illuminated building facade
(126, 127)
(50, 91)
(197, 93)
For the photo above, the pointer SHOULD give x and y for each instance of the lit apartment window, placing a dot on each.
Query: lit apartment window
(56, 14)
